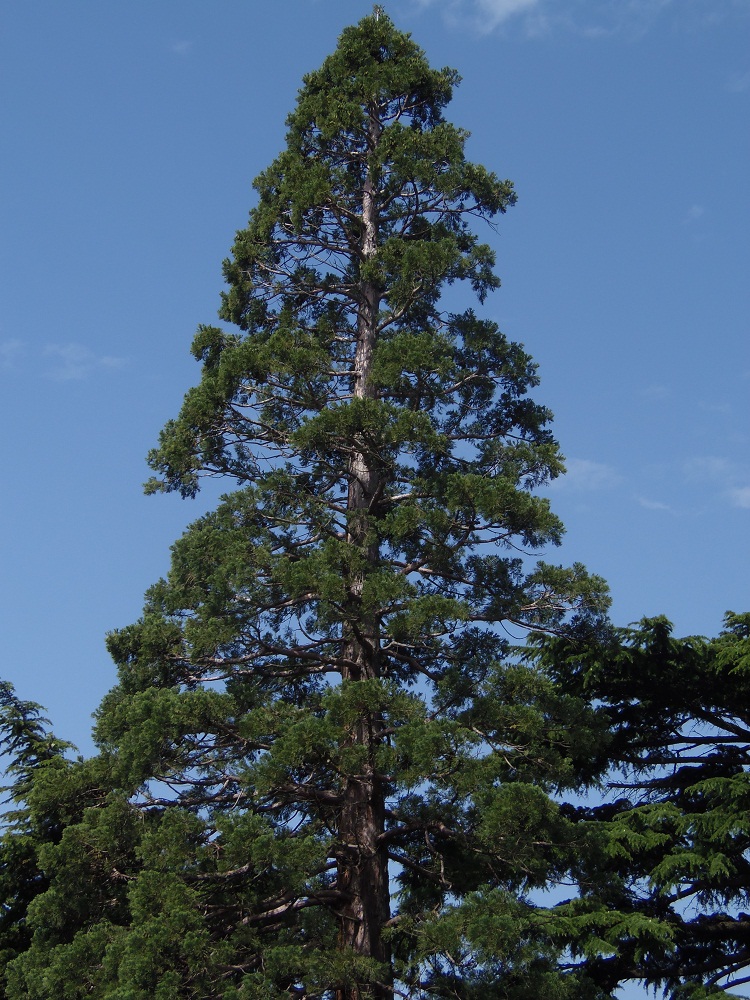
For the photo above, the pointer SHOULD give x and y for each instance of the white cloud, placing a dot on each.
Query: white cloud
(610, 17)
(494, 12)
(714, 407)
(182, 47)
(590, 18)
(726, 476)
(484, 16)
(740, 496)
(74, 362)
(708, 468)
(694, 213)
(9, 351)
(738, 83)
(583, 475)
(655, 392)
(653, 504)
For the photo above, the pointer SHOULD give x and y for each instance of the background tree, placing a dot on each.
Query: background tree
(665, 883)
(28, 747)
(323, 779)
(61, 844)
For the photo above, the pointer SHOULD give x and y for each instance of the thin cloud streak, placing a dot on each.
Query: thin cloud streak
(73, 362)
(494, 12)
(708, 468)
(694, 213)
(738, 83)
(182, 47)
(655, 392)
(727, 477)
(740, 497)
(584, 17)
(653, 504)
(585, 476)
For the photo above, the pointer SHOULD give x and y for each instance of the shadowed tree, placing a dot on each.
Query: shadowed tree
(27, 746)
(666, 884)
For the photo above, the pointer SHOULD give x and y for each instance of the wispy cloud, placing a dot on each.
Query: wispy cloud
(724, 475)
(655, 392)
(586, 476)
(713, 406)
(483, 16)
(181, 47)
(708, 468)
(494, 12)
(590, 18)
(740, 496)
(738, 83)
(72, 362)
(694, 213)
(652, 504)
(10, 351)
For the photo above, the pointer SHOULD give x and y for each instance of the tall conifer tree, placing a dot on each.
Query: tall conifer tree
(334, 772)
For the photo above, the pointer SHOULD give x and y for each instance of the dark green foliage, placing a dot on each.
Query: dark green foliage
(319, 774)
(667, 883)
(30, 749)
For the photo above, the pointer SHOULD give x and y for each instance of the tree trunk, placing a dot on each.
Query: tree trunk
(362, 858)
(363, 875)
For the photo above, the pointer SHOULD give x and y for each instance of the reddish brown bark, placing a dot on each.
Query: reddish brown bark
(361, 855)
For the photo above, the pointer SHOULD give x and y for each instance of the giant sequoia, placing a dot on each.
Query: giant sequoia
(323, 778)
